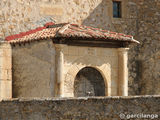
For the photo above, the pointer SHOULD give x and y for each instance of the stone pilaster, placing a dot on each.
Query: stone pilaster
(122, 71)
(5, 71)
(59, 70)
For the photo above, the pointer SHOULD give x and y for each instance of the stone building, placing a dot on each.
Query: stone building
(139, 18)
(65, 60)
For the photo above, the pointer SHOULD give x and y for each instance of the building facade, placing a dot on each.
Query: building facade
(138, 18)
(65, 60)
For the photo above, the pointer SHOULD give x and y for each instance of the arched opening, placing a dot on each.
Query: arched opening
(89, 82)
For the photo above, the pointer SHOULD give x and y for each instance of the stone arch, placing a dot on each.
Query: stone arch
(73, 71)
(89, 82)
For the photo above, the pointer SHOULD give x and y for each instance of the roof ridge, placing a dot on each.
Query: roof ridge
(62, 29)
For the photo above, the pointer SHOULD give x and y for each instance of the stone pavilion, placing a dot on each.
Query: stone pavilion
(64, 60)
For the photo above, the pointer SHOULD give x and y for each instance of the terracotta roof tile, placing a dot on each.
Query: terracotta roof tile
(66, 30)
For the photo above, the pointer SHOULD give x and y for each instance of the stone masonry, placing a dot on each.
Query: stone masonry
(140, 18)
(5, 70)
(44, 69)
(101, 108)
(105, 60)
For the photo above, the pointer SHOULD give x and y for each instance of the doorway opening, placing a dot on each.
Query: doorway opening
(89, 82)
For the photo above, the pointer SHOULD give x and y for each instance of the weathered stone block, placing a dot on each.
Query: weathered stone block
(114, 91)
(5, 89)
(51, 10)
(6, 74)
(72, 50)
(82, 51)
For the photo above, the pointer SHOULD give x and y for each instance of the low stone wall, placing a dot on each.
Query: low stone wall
(96, 108)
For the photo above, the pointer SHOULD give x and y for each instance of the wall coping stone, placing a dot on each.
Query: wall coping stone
(80, 98)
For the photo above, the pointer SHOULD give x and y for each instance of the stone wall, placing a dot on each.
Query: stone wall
(33, 69)
(147, 72)
(105, 60)
(102, 108)
(5, 70)
(20, 15)
(140, 18)
(40, 71)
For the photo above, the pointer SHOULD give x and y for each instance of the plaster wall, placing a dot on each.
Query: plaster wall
(33, 69)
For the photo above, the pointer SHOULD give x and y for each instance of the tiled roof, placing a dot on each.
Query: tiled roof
(35, 34)
(66, 30)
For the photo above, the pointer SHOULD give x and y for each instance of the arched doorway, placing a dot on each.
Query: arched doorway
(89, 82)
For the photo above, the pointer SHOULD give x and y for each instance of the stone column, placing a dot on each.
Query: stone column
(59, 70)
(5, 71)
(122, 72)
